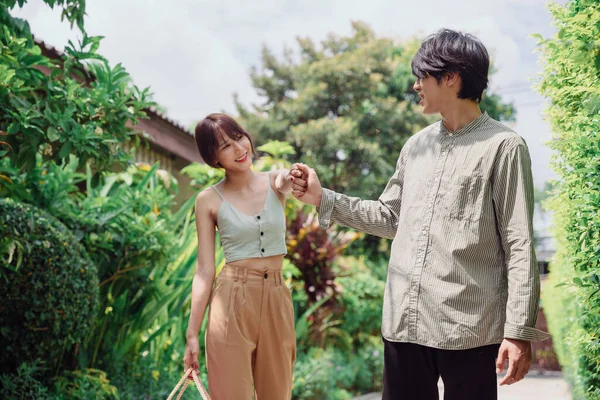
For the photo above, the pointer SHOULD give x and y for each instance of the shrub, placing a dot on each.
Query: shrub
(49, 287)
(89, 384)
(332, 373)
(317, 375)
(362, 300)
(24, 385)
(369, 363)
(571, 76)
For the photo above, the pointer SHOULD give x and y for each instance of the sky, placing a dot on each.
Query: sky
(194, 54)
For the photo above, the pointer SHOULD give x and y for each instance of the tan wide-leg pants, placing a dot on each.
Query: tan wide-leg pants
(250, 338)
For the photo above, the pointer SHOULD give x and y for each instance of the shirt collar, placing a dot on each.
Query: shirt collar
(471, 126)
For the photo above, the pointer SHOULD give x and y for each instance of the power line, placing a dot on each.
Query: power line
(525, 105)
(515, 90)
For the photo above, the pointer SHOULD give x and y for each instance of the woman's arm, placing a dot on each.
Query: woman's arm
(204, 274)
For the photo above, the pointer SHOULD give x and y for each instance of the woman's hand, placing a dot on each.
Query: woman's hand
(283, 181)
(190, 359)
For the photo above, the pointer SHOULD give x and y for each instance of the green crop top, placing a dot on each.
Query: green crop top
(257, 236)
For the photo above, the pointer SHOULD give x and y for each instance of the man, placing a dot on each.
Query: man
(463, 284)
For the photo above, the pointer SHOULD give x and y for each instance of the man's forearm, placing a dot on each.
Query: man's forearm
(369, 216)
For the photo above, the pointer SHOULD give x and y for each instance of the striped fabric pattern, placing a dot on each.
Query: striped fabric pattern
(462, 270)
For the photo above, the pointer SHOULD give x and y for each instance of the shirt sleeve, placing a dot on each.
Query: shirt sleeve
(375, 217)
(513, 204)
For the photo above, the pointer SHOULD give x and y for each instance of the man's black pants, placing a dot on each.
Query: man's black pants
(411, 372)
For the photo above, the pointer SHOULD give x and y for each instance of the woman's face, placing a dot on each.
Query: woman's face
(234, 154)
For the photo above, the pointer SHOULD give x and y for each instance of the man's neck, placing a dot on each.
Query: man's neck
(460, 114)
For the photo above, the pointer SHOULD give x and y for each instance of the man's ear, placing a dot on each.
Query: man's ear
(452, 79)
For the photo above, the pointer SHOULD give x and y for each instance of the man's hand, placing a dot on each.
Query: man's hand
(306, 186)
(518, 353)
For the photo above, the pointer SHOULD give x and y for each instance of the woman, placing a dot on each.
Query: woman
(250, 338)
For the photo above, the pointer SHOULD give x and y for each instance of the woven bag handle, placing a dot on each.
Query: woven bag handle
(185, 381)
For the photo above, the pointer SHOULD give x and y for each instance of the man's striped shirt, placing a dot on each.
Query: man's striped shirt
(462, 270)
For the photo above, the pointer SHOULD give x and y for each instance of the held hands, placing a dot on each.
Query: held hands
(305, 184)
(518, 353)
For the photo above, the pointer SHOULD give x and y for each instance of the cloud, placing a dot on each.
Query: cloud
(195, 53)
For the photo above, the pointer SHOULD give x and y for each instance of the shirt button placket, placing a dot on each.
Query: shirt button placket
(261, 235)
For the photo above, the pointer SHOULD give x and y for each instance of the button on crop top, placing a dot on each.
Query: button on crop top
(244, 236)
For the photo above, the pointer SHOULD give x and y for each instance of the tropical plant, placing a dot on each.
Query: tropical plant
(313, 251)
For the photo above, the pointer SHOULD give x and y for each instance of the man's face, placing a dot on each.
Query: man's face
(431, 93)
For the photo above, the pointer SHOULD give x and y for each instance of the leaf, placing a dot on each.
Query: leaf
(65, 150)
(53, 134)
(303, 323)
(277, 149)
(14, 128)
(578, 281)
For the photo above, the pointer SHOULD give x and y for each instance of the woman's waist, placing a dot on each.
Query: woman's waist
(244, 270)
(257, 265)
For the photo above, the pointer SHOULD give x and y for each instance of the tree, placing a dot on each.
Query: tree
(52, 109)
(347, 106)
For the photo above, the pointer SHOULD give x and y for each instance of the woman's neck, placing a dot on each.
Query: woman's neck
(239, 180)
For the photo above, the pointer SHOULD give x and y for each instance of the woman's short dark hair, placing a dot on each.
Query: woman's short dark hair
(208, 133)
(451, 51)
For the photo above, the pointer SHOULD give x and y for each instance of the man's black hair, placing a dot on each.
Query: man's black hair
(451, 51)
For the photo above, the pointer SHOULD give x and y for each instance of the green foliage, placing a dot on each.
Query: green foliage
(146, 360)
(89, 384)
(362, 300)
(315, 376)
(333, 373)
(127, 224)
(55, 108)
(203, 175)
(313, 251)
(25, 384)
(49, 291)
(571, 81)
(277, 149)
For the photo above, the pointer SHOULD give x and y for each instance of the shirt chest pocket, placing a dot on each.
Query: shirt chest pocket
(462, 197)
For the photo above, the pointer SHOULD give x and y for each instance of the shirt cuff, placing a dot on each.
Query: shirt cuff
(326, 208)
(524, 333)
